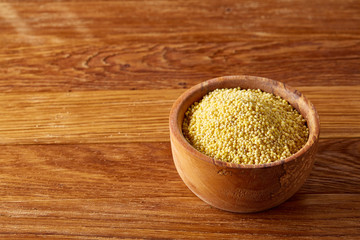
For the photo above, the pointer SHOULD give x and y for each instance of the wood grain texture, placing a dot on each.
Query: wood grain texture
(99, 219)
(58, 191)
(71, 170)
(138, 116)
(336, 168)
(106, 45)
(83, 157)
(99, 67)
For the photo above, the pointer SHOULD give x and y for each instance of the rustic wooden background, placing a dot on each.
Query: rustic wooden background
(85, 93)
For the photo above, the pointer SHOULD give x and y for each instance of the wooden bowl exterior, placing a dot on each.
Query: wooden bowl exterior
(239, 187)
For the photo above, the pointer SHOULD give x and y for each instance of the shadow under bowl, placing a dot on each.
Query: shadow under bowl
(242, 187)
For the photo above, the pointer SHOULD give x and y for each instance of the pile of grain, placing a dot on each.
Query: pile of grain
(244, 126)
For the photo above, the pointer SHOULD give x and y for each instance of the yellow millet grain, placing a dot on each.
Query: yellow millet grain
(244, 126)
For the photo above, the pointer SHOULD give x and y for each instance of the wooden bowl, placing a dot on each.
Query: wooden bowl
(242, 187)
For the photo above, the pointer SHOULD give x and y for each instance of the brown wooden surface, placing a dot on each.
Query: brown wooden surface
(86, 88)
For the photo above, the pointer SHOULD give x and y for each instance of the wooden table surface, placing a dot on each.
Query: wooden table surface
(86, 88)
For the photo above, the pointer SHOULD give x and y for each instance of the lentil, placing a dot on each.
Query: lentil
(245, 126)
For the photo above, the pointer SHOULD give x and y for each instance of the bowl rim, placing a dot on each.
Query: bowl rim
(176, 132)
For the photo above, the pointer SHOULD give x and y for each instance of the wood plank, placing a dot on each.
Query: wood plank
(134, 169)
(85, 117)
(336, 105)
(137, 116)
(154, 218)
(336, 169)
(102, 191)
(155, 19)
(298, 43)
(163, 66)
